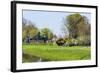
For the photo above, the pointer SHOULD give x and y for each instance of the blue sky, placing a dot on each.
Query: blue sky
(52, 20)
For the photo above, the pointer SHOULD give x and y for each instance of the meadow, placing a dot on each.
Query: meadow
(32, 53)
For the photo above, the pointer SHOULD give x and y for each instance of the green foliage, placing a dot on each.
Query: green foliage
(57, 53)
(71, 42)
(72, 21)
(47, 33)
(60, 42)
(77, 25)
(80, 41)
(28, 29)
(79, 30)
(84, 41)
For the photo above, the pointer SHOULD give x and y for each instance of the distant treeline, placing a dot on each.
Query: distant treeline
(76, 25)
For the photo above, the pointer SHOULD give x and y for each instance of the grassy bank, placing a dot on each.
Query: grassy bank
(56, 53)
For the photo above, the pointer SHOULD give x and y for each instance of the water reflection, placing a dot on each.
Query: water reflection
(31, 58)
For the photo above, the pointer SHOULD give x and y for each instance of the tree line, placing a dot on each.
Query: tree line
(29, 30)
(78, 27)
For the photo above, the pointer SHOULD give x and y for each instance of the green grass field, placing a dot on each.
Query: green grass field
(55, 53)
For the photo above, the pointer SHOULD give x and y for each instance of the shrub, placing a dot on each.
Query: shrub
(60, 42)
(72, 42)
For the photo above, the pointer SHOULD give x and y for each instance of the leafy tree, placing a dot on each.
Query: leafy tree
(46, 33)
(73, 20)
(29, 29)
(83, 27)
(77, 25)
